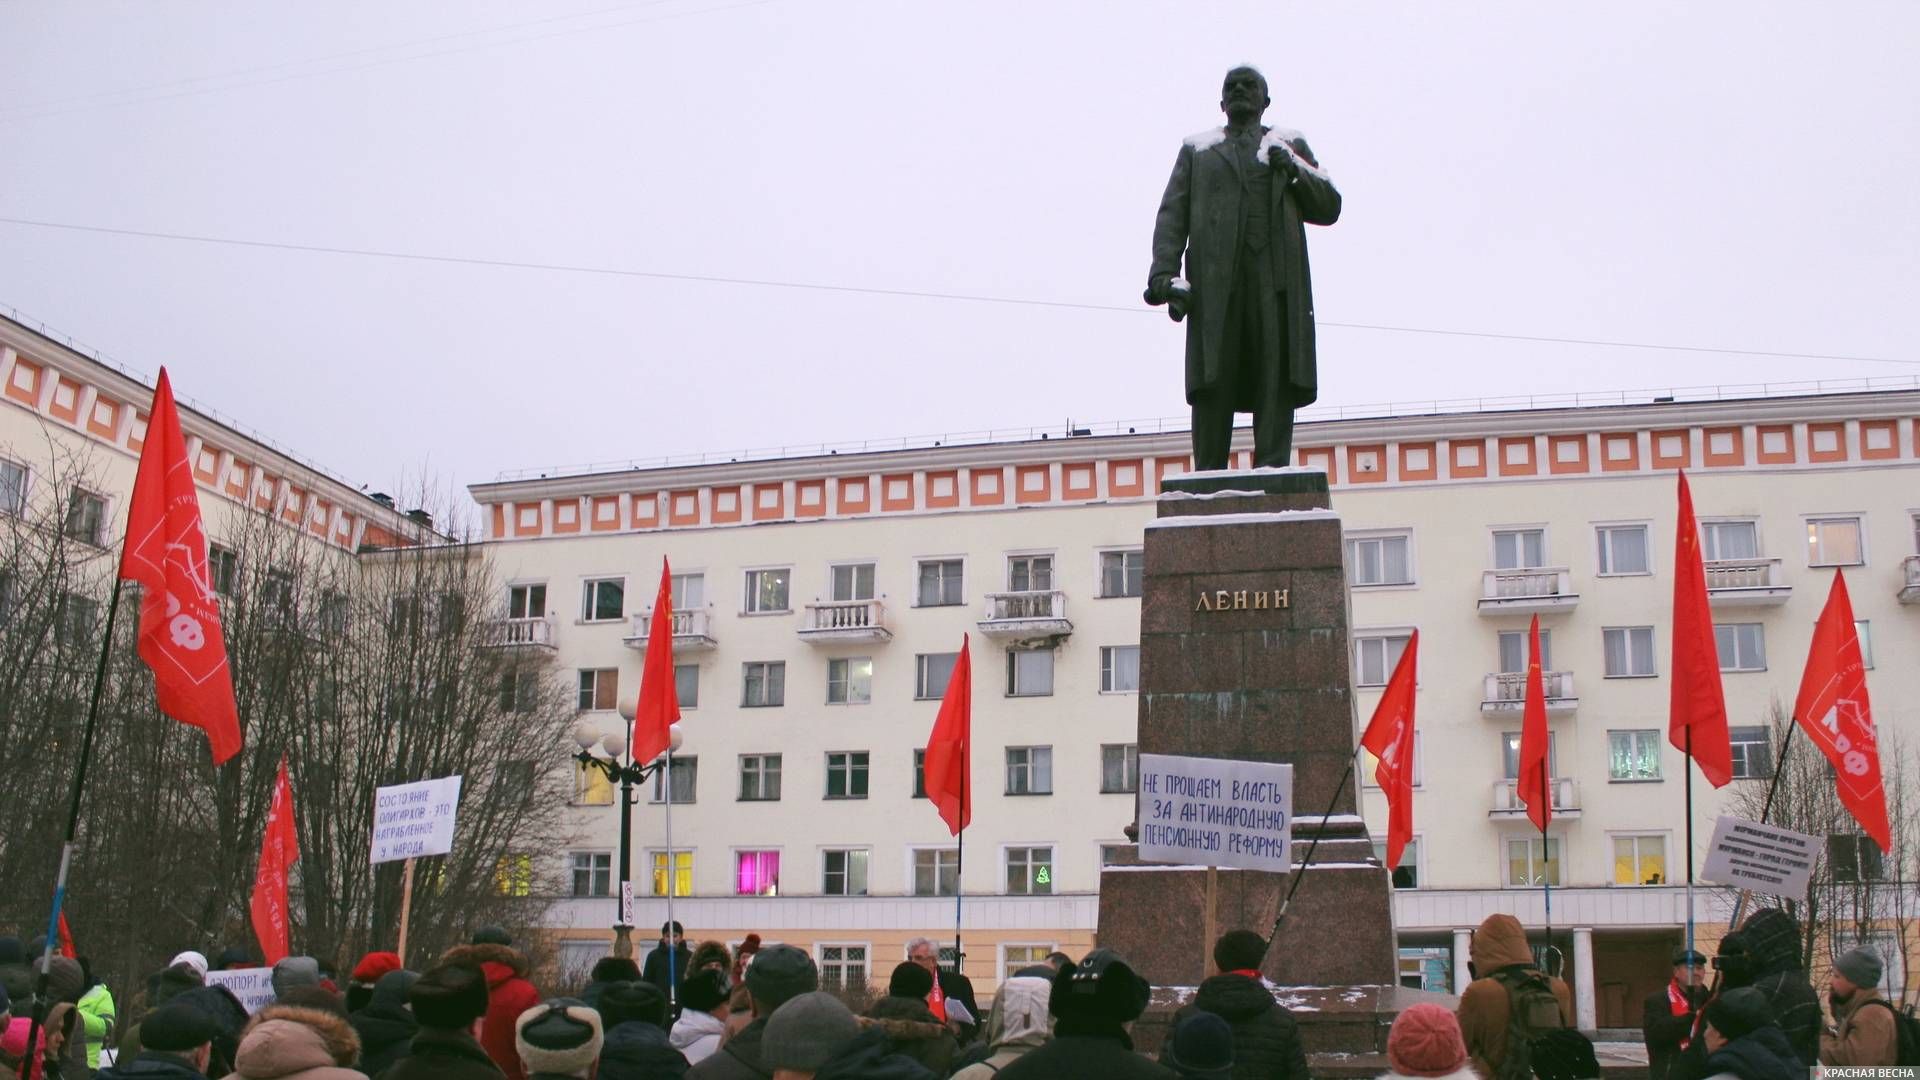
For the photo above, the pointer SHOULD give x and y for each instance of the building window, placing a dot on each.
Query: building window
(527, 601)
(850, 681)
(1122, 573)
(1533, 863)
(1380, 560)
(686, 685)
(1623, 549)
(592, 874)
(1519, 549)
(276, 594)
(1030, 573)
(1729, 540)
(767, 591)
(1752, 752)
(1629, 651)
(1835, 541)
(603, 599)
(852, 581)
(87, 517)
(682, 873)
(940, 581)
(1019, 957)
(1029, 770)
(1742, 646)
(223, 570)
(1513, 651)
(919, 774)
(685, 772)
(756, 873)
(334, 613)
(1119, 768)
(843, 967)
(1119, 669)
(936, 871)
(1407, 874)
(763, 684)
(930, 674)
(1640, 860)
(513, 875)
(759, 777)
(74, 620)
(1375, 657)
(1029, 672)
(1633, 755)
(591, 786)
(687, 591)
(847, 774)
(599, 689)
(1029, 871)
(1854, 858)
(13, 488)
(1864, 631)
(1510, 755)
(1114, 854)
(845, 872)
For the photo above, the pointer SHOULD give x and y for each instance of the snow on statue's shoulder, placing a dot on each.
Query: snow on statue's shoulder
(1206, 140)
(1280, 138)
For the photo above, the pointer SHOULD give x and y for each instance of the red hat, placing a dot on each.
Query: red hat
(375, 964)
(1426, 1041)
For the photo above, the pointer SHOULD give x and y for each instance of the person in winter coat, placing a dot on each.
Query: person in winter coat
(162, 986)
(1864, 1031)
(607, 970)
(287, 1042)
(179, 1046)
(1668, 1015)
(816, 1037)
(1425, 1043)
(947, 985)
(910, 1025)
(365, 974)
(1018, 1025)
(508, 995)
(777, 975)
(1092, 1003)
(386, 1026)
(703, 1014)
(708, 954)
(293, 973)
(634, 1015)
(559, 1040)
(1486, 1009)
(450, 1003)
(1201, 1048)
(1771, 943)
(96, 1016)
(1743, 1042)
(740, 1006)
(1266, 1040)
(673, 945)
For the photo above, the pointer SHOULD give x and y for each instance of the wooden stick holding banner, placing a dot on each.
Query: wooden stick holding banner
(406, 908)
(1210, 925)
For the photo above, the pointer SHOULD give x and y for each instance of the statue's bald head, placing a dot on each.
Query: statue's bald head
(1243, 94)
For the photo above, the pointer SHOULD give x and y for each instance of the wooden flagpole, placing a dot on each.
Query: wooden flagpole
(406, 908)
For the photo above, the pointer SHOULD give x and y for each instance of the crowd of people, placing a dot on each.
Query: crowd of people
(706, 1012)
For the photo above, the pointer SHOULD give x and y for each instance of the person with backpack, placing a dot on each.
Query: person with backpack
(1511, 1003)
(1768, 959)
(1866, 1028)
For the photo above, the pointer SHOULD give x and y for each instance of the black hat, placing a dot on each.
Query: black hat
(449, 997)
(633, 1000)
(910, 980)
(1684, 955)
(1102, 987)
(1739, 1012)
(672, 928)
(614, 969)
(177, 1028)
(704, 990)
(1202, 1046)
(779, 974)
(492, 935)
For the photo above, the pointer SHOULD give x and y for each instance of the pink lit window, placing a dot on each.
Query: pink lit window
(757, 873)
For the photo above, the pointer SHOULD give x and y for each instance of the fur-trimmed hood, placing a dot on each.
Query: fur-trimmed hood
(288, 1042)
(500, 962)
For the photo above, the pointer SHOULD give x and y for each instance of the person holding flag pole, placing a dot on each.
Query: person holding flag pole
(1697, 711)
(948, 768)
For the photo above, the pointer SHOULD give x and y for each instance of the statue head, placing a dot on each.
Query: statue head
(1243, 96)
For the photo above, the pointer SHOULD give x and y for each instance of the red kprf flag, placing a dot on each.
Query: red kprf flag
(1833, 710)
(1389, 738)
(1697, 712)
(947, 768)
(66, 940)
(166, 552)
(659, 707)
(1535, 787)
(279, 850)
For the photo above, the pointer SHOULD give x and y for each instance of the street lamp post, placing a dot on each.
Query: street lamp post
(609, 748)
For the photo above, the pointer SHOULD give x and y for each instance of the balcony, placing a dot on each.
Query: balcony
(1506, 692)
(532, 633)
(1507, 804)
(692, 630)
(1027, 617)
(1746, 583)
(1910, 592)
(845, 620)
(1517, 592)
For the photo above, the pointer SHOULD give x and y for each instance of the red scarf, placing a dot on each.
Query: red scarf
(1249, 973)
(1677, 1001)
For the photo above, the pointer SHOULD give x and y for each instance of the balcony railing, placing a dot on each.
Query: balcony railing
(1506, 691)
(1910, 592)
(845, 620)
(535, 633)
(692, 630)
(1743, 582)
(1039, 613)
(1537, 588)
(1564, 789)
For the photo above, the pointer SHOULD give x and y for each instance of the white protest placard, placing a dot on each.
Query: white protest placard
(1762, 858)
(253, 986)
(411, 820)
(1215, 812)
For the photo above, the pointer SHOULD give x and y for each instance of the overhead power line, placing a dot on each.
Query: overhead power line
(870, 290)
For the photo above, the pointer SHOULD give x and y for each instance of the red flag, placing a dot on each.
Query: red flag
(948, 766)
(1833, 710)
(166, 552)
(1535, 788)
(659, 707)
(1697, 714)
(279, 850)
(66, 939)
(1389, 738)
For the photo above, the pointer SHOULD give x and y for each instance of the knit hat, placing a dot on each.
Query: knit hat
(631, 1000)
(1426, 1041)
(614, 969)
(1739, 1012)
(560, 1036)
(173, 981)
(1773, 937)
(910, 980)
(292, 972)
(1861, 966)
(318, 998)
(1100, 987)
(375, 964)
(195, 960)
(780, 974)
(177, 1028)
(807, 1032)
(1202, 1047)
(703, 991)
(492, 935)
(233, 957)
(449, 997)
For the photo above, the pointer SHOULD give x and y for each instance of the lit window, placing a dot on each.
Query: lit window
(513, 875)
(1834, 541)
(591, 786)
(759, 777)
(1533, 863)
(592, 874)
(850, 681)
(930, 674)
(1030, 871)
(1029, 672)
(1018, 957)
(940, 583)
(603, 599)
(1633, 755)
(767, 591)
(1375, 657)
(1029, 770)
(685, 772)
(1122, 572)
(682, 873)
(763, 684)
(1119, 669)
(599, 689)
(847, 775)
(845, 872)
(756, 873)
(1640, 860)
(1380, 560)
(936, 871)
(1742, 646)
(1752, 752)
(1119, 767)
(1629, 651)
(1623, 549)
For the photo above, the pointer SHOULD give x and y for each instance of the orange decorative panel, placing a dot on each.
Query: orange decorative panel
(1169, 466)
(66, 400)
(1567, 454)
(769, 501)
(1466, 458)
(1367, 463)
(24, 384)
(499, 521)
(1517, 457)
(726, 505)
(239, 477)
(296, 503)
(264, 487)
(1126, 479)
(137, 434)
(989, 487)
(1620, 451)
(317, 521)
(852, 495)
(896, 491)
(1672, 449)
(1419, 461)
(1077, 480)
(206, 466)
(646, 510)
(683, 507)
(104, 421)
(603, 513)
(566, 515)
(1032, 484)
(1319, 457)
(1775, 444)
(1827, 442)
(1879, 440)
(344, 533)
(1723, 446)
(810, 498)
(943, 489)
(526, 519)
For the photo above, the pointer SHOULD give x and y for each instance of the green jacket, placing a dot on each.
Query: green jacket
(96, 1018)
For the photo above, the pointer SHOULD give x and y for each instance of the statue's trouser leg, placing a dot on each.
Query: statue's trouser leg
(1212, 431)
(1273, 423)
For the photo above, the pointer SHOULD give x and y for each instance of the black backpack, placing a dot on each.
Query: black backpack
(1539, 1044)
(1907, 1028)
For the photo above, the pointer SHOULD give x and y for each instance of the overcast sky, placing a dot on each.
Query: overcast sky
(1730, 176)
